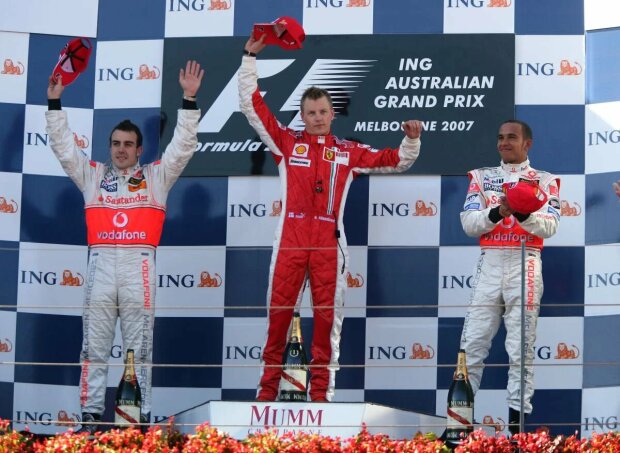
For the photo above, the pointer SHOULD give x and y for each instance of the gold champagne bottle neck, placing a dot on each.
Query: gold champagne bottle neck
(461, 365)
(296, 329)
(129, 365)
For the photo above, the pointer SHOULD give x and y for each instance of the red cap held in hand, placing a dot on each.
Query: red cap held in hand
(73, 60)
(524, 197)
(285, 31)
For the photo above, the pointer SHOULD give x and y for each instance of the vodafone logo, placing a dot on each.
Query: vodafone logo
(120, 220)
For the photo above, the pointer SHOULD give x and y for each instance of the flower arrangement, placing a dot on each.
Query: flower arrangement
(165, 439)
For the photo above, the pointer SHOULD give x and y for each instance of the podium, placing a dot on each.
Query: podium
(241, 418)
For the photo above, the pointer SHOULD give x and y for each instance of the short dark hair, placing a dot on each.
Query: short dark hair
(315, 93)
(525, 128)
(127, 126)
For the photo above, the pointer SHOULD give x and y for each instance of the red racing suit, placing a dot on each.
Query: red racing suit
(315, 174)
(125, 212)
(496, 287)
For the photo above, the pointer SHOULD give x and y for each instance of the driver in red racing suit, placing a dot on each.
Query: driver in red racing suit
(316, 170)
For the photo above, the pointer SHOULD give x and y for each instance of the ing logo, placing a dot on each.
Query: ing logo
(358, 4)
(6, 346)
(276, 208)
(419, 352)
(569, 69)
(10, 68)
(63, 419)
(564, 352)
(568, 210)
(206, 281)
(499, 3)
(498, 424)
(354, 282)
(219, 5)
(81, 142)
(8, 207)
(68, 279)
(146, 73)
(422, 209)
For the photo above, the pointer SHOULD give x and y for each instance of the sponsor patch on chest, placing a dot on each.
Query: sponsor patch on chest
(299, 162)
(336, 156)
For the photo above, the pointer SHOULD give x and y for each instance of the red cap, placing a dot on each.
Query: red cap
(73, 60)
(285, 31)
(524, 197)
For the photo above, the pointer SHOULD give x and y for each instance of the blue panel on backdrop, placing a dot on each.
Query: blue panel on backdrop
(149, 120)
(402, 277)
(6, 400)
(188, 341)
(563, 270)
(549, 17)
(448, 345)
(356, 212)
(249, 267)
(603, 66)
(600, 338)
(196, 212)
(48, 339)
(413, 400)
(453, 191)
(117, 26)
(43, 54)
(249, 12)
(602, 213)
(558, 130)
(238, 394)
(558, 409)
(9, 267)
(52, 211)
(352, 350)
(413, 16)
(12, 137)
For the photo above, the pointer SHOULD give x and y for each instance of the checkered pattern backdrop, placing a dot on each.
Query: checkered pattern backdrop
(405, 289)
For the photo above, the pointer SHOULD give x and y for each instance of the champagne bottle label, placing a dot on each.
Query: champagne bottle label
(293, 380)
(126, 414)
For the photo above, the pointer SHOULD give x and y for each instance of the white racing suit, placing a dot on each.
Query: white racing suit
(125, 212)
(496, 288)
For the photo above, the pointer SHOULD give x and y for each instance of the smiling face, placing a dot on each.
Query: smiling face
(317, 115)
(124, 149)
(512, 144)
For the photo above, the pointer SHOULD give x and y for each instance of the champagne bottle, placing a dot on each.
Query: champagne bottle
(128, 395)
(460, 403)
(294, 380)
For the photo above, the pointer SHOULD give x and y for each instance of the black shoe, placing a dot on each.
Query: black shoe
(514, 417)
(145, 422)
(90, 423)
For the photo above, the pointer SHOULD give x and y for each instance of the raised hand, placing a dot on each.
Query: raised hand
(191, 78)
(413, 128)
(55, 87)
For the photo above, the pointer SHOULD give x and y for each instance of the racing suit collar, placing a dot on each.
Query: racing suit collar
(516, 168)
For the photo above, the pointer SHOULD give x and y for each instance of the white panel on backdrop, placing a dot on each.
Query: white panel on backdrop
(478, 16)
(128, 74)
(349, 396)
(601, 14)
(200, 18)
(60, 17)
(191, 281)
(168, 401)
(7, 346)
(38, 156)
(253, 211)
(46, 409)
(401, 351)
(10, 206)
(602, 137)
(14, 70)
(572, 224)
(490, 408)
(404, 210)
(602, 280)
(558, 359)
(456, 270)
(243, 342)
(51, 279)
(600, 410)
(550, 69)
(357, 286)
(338, 17)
